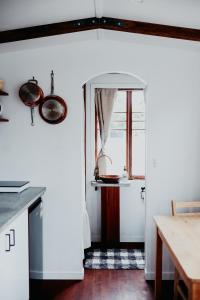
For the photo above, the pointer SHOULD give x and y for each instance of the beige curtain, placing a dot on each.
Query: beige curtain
(104, 102)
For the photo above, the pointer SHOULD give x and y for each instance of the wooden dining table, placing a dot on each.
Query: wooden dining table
(181, 237)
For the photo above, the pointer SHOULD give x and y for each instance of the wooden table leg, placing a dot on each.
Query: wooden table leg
(176, 282)
(158, 275)
(194, 291)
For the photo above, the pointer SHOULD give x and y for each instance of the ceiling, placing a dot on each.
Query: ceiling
(24, 13)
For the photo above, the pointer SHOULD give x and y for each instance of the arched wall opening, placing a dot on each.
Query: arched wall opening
(136, 77)
(121, 80)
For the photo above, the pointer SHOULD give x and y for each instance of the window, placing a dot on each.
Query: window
(126, 143)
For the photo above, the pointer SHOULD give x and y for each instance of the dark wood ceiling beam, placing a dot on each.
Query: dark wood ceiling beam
(99, 23)
(48, 30)
(151, 29)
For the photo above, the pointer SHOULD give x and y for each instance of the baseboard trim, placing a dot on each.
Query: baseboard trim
(165, 275)
(96, 237)
(132, 239)
(123, 238)
(132, 245)
(57, 275)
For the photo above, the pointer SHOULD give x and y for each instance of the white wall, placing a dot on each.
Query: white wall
(47, 155)
(53, 155)
(42, 12)
(132, 207)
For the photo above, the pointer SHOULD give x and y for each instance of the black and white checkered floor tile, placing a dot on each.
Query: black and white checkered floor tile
(116, 259)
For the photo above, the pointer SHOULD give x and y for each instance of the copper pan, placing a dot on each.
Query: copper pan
(31, 94)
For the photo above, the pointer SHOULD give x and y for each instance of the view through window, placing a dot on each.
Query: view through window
(126, 143)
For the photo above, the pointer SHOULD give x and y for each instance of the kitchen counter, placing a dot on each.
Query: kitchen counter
(13, 204)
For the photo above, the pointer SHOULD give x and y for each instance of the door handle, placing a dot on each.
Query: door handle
(12, 237)
(7, 235)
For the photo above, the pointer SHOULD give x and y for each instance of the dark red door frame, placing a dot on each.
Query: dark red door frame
(99, 23)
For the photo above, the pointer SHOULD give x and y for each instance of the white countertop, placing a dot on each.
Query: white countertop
(13, 204)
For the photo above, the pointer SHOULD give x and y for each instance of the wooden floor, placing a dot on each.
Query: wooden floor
(99, 285)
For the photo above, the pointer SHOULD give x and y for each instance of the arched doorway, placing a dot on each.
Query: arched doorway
(132, 213)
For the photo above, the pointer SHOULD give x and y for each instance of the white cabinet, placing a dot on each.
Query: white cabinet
(14, 260)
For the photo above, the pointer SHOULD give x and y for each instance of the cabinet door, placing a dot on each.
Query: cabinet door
(5, 265)
(20, 257)
(14, 275)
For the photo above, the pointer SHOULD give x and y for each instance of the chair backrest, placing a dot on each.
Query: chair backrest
(185, 204)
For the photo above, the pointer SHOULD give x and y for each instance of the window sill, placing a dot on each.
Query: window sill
(137, 177)
(121, 183)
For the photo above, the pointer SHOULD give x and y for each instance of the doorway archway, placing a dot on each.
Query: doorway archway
(119, 80)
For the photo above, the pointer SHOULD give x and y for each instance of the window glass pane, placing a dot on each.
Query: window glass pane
(138, 116)
(116, 145)
(138, 125)
(138, 102)
(116, 149)
(118, 126)
(138, 133)
(138, 152)
(119, 117)
(120, 103)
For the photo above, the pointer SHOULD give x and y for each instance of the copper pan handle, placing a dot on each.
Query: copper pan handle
(32, 116)
(33, 80)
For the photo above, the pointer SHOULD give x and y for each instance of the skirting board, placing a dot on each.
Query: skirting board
(165, 275)
(57, 275)
(131, 239)
(123, 238)
(96, 237)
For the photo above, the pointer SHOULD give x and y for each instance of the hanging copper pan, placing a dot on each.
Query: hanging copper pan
(52, 108)
(31, 95)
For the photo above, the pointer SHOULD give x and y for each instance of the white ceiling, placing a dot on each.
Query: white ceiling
(23, 13)
(170, 12)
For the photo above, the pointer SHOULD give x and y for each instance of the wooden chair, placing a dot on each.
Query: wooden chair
(184, 205)
(178, 289)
